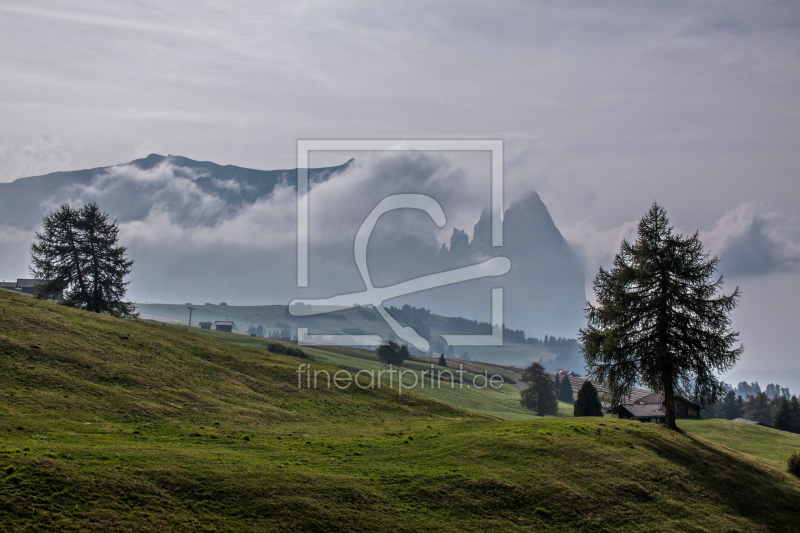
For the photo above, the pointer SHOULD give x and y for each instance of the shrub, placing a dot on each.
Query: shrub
(392, 353)
(794, 464)
(288, 350)
(588, 401)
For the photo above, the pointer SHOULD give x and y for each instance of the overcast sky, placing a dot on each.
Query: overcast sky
(602, 110)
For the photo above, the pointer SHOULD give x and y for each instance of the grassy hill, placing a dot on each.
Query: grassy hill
(500, 403)
(115, 425)
(346, 322)
(771, 446)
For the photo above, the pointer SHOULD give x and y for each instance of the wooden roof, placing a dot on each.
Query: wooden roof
(643, 410)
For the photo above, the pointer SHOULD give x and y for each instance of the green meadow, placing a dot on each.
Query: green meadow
(129, 425)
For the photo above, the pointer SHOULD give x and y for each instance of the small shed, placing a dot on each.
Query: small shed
(224, 325)
(205, 325)
(642, 413)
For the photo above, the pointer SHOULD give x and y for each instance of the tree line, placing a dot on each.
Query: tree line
(781, 412)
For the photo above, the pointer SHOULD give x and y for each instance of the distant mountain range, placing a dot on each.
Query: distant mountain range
(201, 231)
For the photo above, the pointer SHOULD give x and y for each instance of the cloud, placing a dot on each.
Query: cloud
(751, 241)
(165, 206)
(41, 155)
(15, 246)
(131, 193)
(597, 247)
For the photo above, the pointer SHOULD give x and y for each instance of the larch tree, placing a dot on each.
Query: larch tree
(660, 319)
(78, 251)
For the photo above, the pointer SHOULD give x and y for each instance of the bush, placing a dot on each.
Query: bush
(392, 353)
(288, 350)
(588, 401)
(794, 464)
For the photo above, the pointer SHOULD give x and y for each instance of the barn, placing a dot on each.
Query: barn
(224, 325)
(205, 325)
(683, 407)
(642, 412)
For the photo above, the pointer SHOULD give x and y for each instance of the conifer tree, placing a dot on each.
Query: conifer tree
(660, 320)
(442, 361)
(784, 418)
(78, 251)
(565, 391)
(730, 407)
(540, 395)
(795, 405)
(588, 401)
(758, 408)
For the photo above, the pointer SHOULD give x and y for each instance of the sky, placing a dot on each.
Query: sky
(602, 110)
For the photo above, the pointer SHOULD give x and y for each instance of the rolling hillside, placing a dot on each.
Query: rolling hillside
(119, 425)
(350, 321)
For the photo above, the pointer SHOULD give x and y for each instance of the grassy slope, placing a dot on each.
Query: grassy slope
(112, 425)
(501, 403)
(769, 445)
(275, 317)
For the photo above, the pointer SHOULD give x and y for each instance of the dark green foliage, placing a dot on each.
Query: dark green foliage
(787, 415)
(392, 353)
(565, 391)
(78, 251)
(783, 416)
(540, 395)
(588, 401)
(794, 464)
(795, 403)
(442, 361)
(660, 319)
(759, 408)
(274, 347)
(731, 407)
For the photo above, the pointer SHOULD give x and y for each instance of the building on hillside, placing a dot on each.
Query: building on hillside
(642, 413)
(683, 407)
(205, 325)
(224, 325)
(28, 286)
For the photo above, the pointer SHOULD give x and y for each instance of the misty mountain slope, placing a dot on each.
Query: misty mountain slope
(25, 201)
(200, 231)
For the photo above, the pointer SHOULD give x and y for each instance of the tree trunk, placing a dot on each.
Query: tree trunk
(669, 406)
